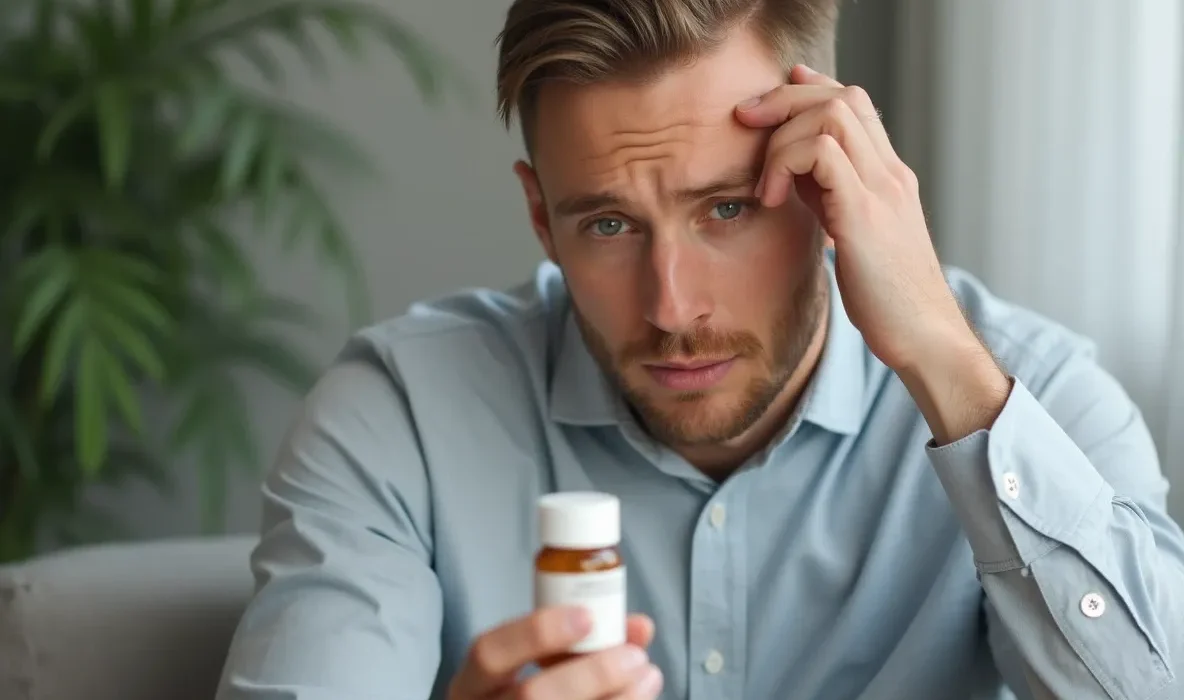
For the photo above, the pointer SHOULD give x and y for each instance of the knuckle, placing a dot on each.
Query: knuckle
(836, 109)
(827, 145)
(907, 177)
(858, 98)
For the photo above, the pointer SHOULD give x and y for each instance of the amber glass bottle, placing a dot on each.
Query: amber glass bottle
(579, 563)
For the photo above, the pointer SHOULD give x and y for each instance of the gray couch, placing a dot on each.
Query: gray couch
(136, 621)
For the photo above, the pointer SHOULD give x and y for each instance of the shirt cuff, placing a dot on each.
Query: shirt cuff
(1023, 487)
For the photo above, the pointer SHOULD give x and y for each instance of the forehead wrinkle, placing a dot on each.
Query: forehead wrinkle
(639, 144)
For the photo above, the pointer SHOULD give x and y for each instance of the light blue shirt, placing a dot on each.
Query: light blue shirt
(849, 560)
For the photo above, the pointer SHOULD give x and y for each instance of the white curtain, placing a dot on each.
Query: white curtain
(1047, 134)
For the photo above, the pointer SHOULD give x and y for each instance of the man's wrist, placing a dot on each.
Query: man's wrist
(957, 385)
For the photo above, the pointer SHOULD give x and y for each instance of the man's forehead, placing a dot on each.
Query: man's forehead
(682, 120)
(688, 146)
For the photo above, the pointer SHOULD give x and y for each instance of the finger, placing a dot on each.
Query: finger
(497, 656)
(639, 630)
(589, 677)
(861, 103)
(835, 118)
(805, 75)
(647, 688)
(820, 157)
(783, 103)
(807, 90)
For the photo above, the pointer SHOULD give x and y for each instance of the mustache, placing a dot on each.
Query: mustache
(699, 343)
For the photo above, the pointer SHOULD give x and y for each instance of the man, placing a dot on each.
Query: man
(843, 472)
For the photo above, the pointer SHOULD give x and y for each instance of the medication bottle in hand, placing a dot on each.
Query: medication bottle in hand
(580, 563)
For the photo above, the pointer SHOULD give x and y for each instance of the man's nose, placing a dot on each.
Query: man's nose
(678, 284)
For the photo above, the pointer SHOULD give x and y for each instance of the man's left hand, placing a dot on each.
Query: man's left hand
(830, 146)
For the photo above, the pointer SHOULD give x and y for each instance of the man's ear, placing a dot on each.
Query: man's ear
(539, 219)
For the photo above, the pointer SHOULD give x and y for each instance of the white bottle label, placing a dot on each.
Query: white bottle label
(602, 593)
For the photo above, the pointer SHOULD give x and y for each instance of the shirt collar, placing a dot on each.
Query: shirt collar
(834, 398)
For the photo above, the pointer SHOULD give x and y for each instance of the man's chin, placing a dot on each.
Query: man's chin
(691, 418)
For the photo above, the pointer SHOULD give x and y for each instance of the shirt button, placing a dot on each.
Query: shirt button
(1011, 485)
(714, 663)
(718, 515)
(1093, 605)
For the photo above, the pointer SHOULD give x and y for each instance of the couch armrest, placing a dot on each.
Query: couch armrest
(132, 621)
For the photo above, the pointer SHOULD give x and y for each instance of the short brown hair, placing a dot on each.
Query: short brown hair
(588, 41)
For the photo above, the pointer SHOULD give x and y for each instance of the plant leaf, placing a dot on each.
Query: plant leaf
(291, 27)
(90, 409)
(143, 20)
(121, 264)
(183, 10)
(341, 23)
(229, 262)
(209, 114)
(62, 340)
(133, 342)
(41, 302)
(119, 387)
(134, 301)
(61, 120)
(115, 128)
(272, 169)
(197, 414)
(240, 151)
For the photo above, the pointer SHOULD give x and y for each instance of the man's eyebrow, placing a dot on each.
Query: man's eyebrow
(587, 203)
(735, 180)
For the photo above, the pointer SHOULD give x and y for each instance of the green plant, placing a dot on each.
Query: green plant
(127, 155)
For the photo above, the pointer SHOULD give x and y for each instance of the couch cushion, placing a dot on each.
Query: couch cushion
(134, 621)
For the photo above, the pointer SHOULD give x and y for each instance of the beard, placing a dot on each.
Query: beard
(691, 418)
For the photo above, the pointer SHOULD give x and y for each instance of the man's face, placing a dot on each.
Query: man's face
(694, 300)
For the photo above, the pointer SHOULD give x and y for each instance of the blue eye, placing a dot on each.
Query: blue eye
(608, 227)
(725, 211)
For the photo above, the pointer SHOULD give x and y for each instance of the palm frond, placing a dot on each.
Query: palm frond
(130, 156)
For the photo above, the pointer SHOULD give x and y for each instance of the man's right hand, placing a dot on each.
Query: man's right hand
(491, 670)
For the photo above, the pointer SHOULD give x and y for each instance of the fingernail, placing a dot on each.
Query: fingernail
(578, 621)
(760, 187)
(807, 69)
(632, 657)
(650, 683)
(749, 103)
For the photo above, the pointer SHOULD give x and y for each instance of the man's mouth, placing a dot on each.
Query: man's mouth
(690, 375)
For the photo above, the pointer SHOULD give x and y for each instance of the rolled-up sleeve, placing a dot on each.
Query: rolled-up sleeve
(1064, 505)
(347, 606)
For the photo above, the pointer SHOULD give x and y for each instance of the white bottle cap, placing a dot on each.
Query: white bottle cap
(580, 520)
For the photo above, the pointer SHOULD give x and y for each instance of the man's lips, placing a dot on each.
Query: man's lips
(694, 375)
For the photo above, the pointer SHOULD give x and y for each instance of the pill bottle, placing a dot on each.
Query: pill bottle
(579, 563)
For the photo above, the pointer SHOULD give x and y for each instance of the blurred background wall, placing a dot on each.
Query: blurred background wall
(997, 108)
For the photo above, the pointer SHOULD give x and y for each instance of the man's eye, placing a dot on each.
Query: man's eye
(608, 227)
(725, 211)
